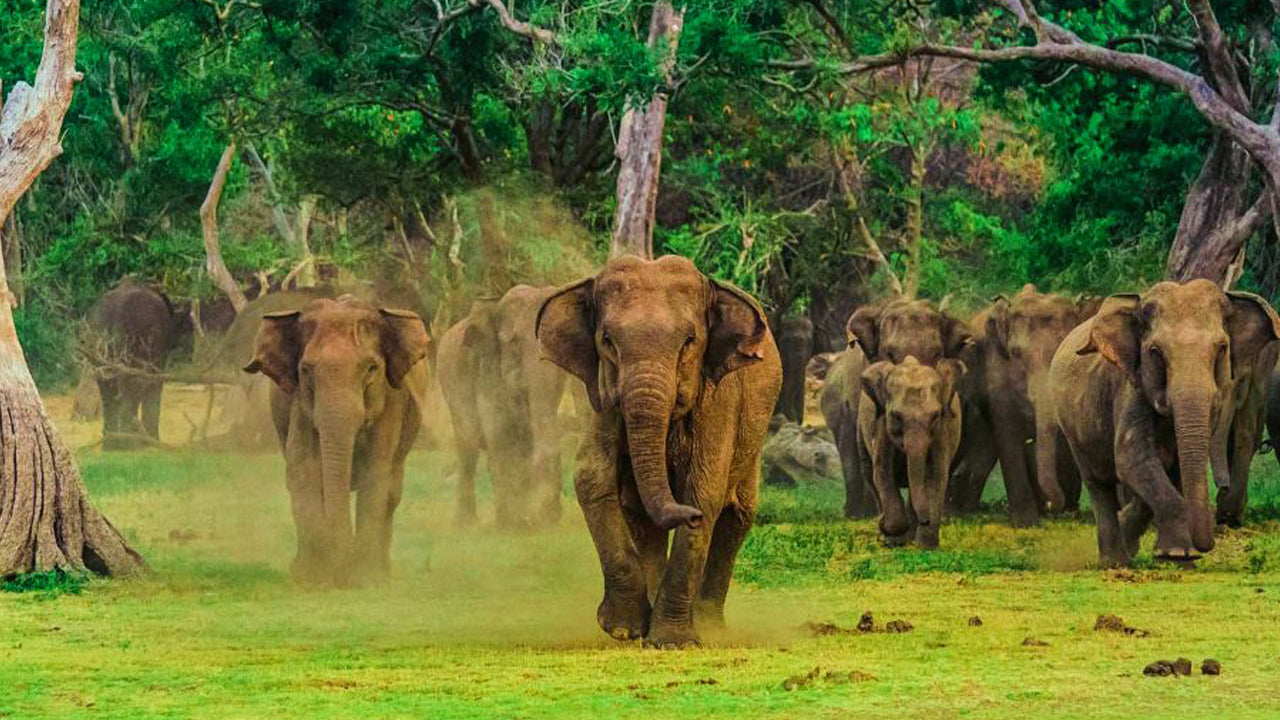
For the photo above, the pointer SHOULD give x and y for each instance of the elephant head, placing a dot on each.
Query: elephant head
(913, 400)
(646, 337)
(337, 360)
(893, 329)
(1024, 332)
(1178, 343)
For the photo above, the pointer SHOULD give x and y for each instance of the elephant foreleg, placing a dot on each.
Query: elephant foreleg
(377, 498)
(150, 393)
(859, 500)
(1112, 551)
(1244, 443)
(672, 623)
(468, 452)
(302, 472)
(727, 538)
(109, 390)
(1011, 442)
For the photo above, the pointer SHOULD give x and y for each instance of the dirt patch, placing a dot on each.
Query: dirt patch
(1034, 642)
(831, 677)
(866, 625)
(699, 681)
(1113, 623)
(1165, 668)
(975, 621)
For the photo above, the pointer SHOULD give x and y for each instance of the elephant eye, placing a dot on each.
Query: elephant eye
(689, 340)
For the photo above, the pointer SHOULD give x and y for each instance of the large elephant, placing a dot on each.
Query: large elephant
(132, 329)
(504, 399)
(908, 431)
(1009, 415)
(1138, 390)
(683, 374)
(1239, 432)
(890, 330)
(794, 336)
(349, 387)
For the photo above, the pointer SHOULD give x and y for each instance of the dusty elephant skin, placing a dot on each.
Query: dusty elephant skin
(683, 374)
(1008, 389)
(349, 385)
(794, 336)
(1238, 434)
(132, 328)
(1138, 390)
(504, 399)
(908, 431)
(887, 330)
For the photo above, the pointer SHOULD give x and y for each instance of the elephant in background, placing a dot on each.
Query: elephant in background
(1239, 432)
(683, 374)
(1008, 412)
(504, 399)
(890, 330)
(132, 329)
(794, 336)
(908, 432)
(349, 385)
(1138, 391)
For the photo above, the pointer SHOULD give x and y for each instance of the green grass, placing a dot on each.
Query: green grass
(482, 624)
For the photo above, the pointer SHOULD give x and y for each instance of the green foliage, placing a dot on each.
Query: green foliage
(46, 585)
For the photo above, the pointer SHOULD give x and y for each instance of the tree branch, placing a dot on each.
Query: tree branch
(518, 27)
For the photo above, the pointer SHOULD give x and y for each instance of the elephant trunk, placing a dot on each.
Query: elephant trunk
(648, 399)
(916, 448)
(1047, 454)
(1192, 422)
(337, 432)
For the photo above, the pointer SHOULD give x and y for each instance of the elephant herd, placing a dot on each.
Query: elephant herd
(1134, 397)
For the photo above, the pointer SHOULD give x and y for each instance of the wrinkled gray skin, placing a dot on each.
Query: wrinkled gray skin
(349, 386)
(1239, 432)
(137, 327)
(504, 400)
(683, 374)
(795, 453)
(908, 430)
(886, 330)
(794, 336)
(1008, 413)
(1138, 389)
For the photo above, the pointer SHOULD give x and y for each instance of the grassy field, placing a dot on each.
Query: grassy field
(485, 625)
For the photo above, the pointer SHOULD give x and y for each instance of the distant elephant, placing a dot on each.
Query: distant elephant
(794, 336)
(886, 330)
(1138, 390)
(504, 399)
(349, 386)
(908, 431)
(683, 374)
(132, 328)
(1239, 432)
(1008, 410)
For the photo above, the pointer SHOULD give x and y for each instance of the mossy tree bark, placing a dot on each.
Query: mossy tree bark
(46, 519)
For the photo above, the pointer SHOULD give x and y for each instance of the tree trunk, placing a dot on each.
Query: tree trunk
(915, 219)
(46, 521)
(302, 241)
(1201, 248)
(640, 145)
(11, 237)
(209, 225)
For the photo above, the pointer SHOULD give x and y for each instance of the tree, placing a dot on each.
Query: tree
(1216, 220)
(46, 520)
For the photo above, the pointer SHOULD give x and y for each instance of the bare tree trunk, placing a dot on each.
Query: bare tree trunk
(209, 224)
(1216, 199)
(278, 217)
(46, 520)
(915, 219)
(11, 235)
(640, 145)
(302, 241)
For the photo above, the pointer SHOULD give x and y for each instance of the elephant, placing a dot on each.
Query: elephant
(682, 373)
(1008, 415)
(891, 330)
(132, 329)
(504, 399)
(349, 386)
(1239, 432)
(794, 336)
(908, 432)
(1138, 390)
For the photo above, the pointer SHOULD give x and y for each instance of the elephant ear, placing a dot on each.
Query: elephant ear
(566, 331)
(1252, 325)
(1087, 306)
(952, 372)
(404, 342)
(736, 330)
(1116, 334)
(864, 329)
(997, 325)
(276, 349)
(480, 333)
(875, 384)
(956, 336)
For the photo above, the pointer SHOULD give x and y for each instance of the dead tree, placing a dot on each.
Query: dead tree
(209, 226)
(46, 520)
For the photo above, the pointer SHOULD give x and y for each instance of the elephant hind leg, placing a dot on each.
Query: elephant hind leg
(149, 398)
(468, 453)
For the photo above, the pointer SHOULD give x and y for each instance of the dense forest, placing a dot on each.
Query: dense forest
(816, 152)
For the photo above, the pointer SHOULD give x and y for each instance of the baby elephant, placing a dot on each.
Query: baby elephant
(347, 406)
(908, 430)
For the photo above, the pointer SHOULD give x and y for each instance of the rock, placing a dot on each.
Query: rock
(867, 623)
(1113, 623)
(1210, 667)
(798, 681)
(793, 454)
(975, 621)
(1165, 668)
(898, 626)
